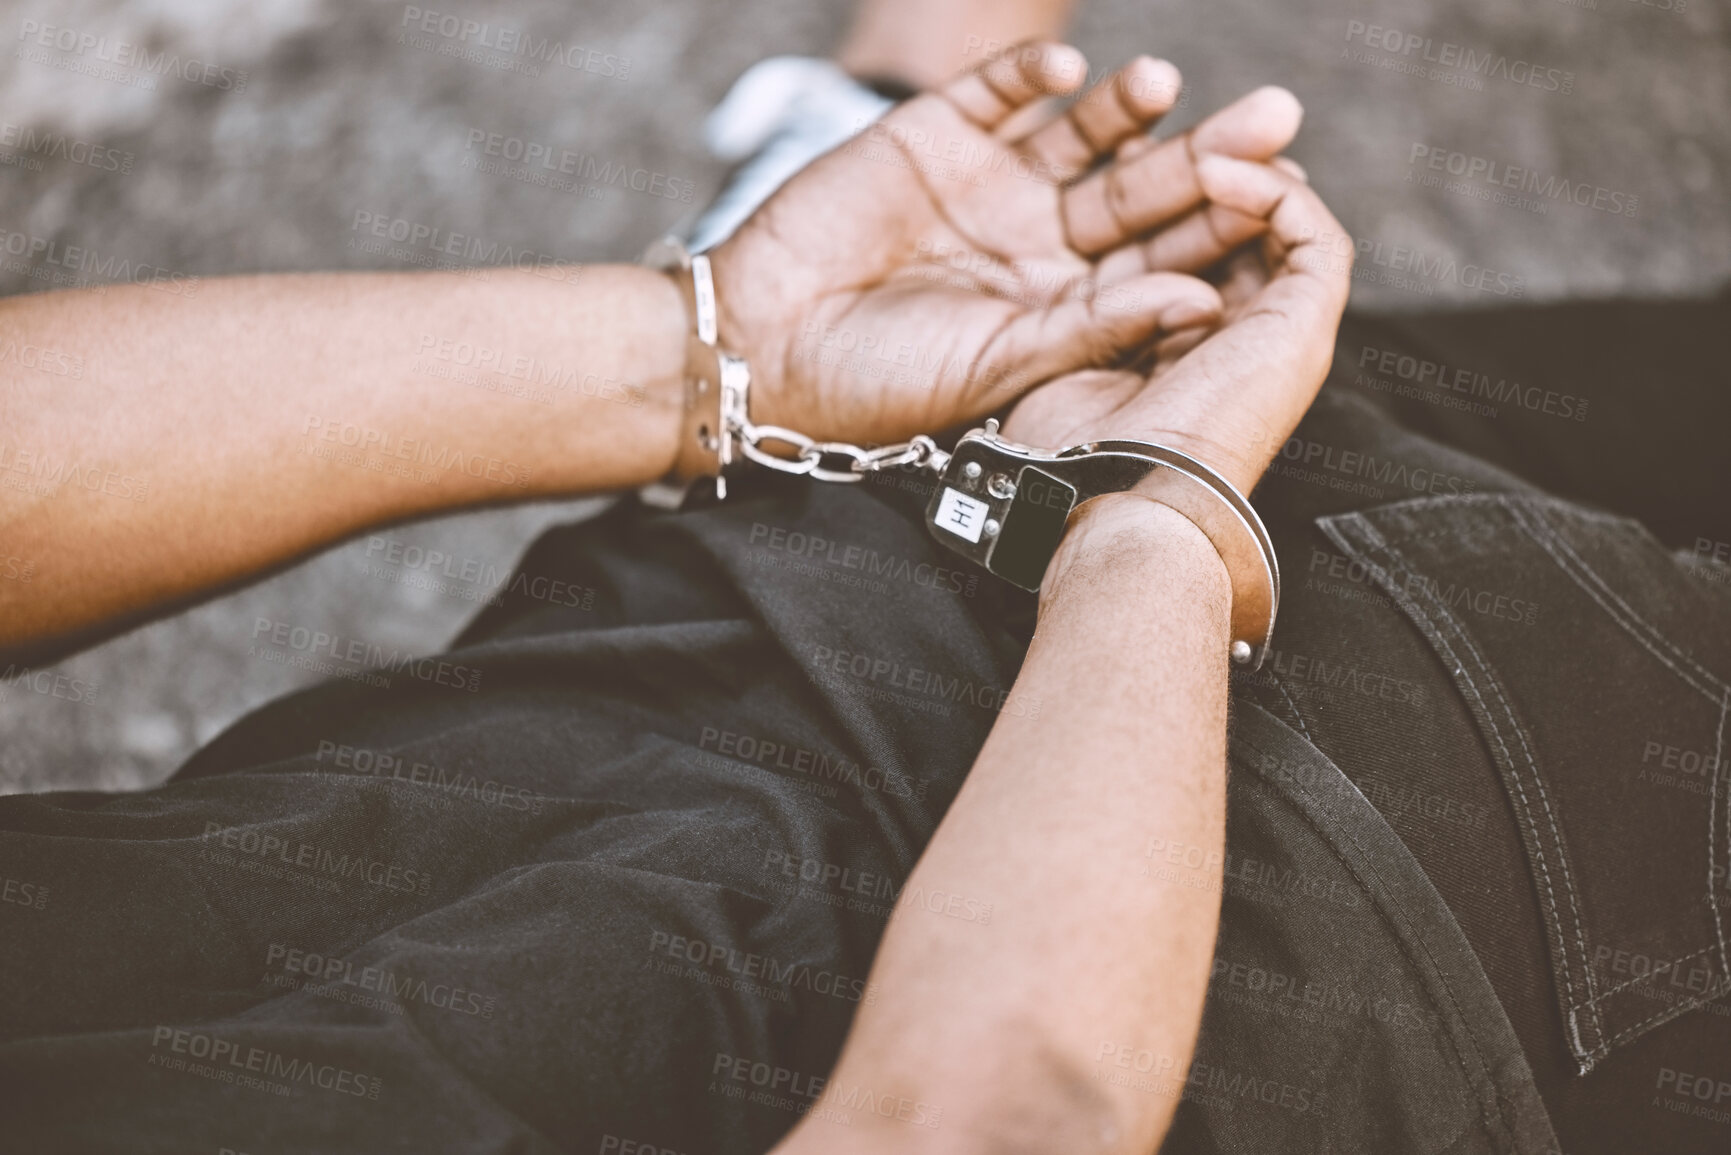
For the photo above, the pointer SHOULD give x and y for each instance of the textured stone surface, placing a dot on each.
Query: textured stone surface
(338, 116)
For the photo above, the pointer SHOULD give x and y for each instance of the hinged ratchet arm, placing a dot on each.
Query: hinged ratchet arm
(1005, 506)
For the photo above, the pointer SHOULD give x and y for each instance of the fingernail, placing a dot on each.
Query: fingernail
(1064, 64)
(1153, 82)
(1258, 125)
(1278, 101)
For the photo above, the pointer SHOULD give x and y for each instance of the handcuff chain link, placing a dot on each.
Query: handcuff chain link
(810, 454)
(739, 433)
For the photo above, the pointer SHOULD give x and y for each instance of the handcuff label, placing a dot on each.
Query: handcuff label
(961, 515)
(1000, 511)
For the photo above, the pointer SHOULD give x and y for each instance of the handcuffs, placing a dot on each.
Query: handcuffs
(998, 503)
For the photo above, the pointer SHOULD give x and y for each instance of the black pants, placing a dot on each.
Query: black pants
(612, 871)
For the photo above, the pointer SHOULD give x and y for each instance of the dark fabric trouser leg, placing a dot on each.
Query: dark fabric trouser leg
(1587, 644)
(1623, 404)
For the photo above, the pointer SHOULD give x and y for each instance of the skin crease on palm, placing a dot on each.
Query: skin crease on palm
(1061, 254)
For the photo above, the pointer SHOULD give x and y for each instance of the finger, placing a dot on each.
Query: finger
(1135, 147)
(1128, 198)
(1030, 117)
(1087, 330)
(1202, 238)
(1122, 106)
(1267, 362)
(1298, 222)
(989, 94)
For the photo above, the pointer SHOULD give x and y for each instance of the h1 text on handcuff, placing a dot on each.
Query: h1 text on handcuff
(1000, 504)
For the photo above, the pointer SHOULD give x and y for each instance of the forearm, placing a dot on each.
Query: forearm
(209, 437)
(925, 43)
(1003, 1025)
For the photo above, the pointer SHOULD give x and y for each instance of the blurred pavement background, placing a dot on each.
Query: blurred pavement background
(317, 117)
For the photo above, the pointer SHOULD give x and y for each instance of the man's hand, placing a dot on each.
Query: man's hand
(938, 265)
(1229, 397)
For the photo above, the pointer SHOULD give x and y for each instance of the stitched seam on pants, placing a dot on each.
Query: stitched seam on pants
(1400, 943)
(1538, 779)
(1512, 502)
(1280, 685)
(1649, 640)
(1531, 519)
(1713, 828)
(1604, 591)
(1549, 891)
(1450, 502)
(1627, 983)
(1453, 534)
(1668, 1013)
(1468, 1138)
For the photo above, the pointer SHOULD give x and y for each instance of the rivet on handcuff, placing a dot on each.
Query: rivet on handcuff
(1000, 504)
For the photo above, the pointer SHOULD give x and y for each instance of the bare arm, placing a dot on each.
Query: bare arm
(212, 436)
(1010, 1035)
(1006, 1033)
(924, 44)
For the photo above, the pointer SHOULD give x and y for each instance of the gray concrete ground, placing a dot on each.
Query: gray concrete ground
(342, 113)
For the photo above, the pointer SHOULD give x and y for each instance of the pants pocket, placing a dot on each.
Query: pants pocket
(1598, 701)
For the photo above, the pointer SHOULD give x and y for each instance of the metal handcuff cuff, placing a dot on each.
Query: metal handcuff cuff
(1000, 504)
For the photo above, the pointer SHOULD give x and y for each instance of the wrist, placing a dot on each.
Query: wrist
(1125, 549)
(736, 332)
(670, 318)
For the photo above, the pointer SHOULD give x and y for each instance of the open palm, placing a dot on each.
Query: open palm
(943, 262)
(1229, 396)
